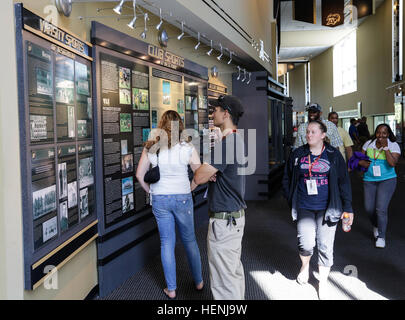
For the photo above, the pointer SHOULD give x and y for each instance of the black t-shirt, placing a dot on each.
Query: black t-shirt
(228, 192)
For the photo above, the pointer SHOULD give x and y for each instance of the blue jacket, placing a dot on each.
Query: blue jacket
(340, 194)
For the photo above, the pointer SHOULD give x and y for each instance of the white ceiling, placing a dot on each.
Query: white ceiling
(294, 32)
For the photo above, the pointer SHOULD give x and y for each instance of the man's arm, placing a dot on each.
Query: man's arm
(204, 173)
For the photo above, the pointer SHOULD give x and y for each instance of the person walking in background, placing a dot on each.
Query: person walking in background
(317, 186)
(354, 133)
(362, 130)
(226, 193)
(315, 113)
(346, 149)
(380, 179)
(172, 203)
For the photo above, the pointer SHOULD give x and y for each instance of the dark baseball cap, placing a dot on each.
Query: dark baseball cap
(314, 107)
(230, 103)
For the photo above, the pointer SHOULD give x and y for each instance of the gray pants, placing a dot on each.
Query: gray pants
(312, 228)
(377, 197)
(224, 245)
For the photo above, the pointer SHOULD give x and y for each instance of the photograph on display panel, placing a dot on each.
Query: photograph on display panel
(124, 78)
(62, 174)
(127, 185)
(86, 176)
(44, 201)
(72, 194)
(127, 163)
(63, 216)
(128, 202)
(49, 229)
(140, 99)
(84, 203)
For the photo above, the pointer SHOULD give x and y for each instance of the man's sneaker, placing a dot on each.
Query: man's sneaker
(380, 243)
(323, 293)
(303, 276)
(375, 231)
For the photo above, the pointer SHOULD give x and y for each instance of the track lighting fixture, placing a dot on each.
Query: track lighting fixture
(238, 78)
(146, 18)
(230, 55)
(250, 78)
(161, 21)
(131, 24)
(220, 56)
(118, 8)
(244, 75)
(182, 31)
(212, 49)
(199, 42)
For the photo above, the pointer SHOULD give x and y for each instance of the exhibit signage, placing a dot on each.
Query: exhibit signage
(56, 143)
(166, 58)
(37, 25)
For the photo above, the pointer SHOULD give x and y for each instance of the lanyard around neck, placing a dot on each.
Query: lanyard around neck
(311, 165)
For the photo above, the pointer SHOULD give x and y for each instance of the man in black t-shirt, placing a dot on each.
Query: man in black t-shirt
(227, 206)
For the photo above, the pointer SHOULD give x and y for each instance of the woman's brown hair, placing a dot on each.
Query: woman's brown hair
(165, 124)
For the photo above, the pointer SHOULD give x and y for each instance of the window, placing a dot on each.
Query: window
(345, 66)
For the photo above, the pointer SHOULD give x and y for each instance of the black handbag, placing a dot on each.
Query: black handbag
(153, 175)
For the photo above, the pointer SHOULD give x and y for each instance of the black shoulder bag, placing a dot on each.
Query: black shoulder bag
(153, 175)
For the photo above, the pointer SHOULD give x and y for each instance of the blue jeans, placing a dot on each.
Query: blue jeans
(377, 197)
(171, 211)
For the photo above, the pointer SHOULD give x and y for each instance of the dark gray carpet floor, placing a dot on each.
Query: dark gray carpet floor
(271, 261)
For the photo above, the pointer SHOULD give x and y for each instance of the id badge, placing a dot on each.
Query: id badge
(312, 189)
(377, 171)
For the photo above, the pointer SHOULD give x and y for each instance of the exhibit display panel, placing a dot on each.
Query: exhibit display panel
(125, 126)
(135, 83)
(55, 106)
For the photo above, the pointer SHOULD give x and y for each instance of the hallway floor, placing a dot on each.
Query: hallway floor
(271, 260)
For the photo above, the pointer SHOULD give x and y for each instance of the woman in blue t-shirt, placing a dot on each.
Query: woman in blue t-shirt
(380, 180)
(317, 186)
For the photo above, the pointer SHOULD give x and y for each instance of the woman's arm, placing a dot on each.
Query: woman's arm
(194, 163)
(143, 167)
(392, 158)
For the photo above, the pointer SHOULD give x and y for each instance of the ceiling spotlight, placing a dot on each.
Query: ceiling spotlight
(131, 24)
(220, 56)
(118, 8)
(230, 55)
(250, 78)
(238, 78)
(161, 21)
(198, 44)
(146, 18)
(182, 31)
(210, 51)
(244, 75)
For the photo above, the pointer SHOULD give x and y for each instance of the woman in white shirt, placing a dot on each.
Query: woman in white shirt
(172, 203)
(380, 180)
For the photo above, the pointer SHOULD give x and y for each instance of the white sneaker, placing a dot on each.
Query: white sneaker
(380, 243)
(323, 290)
(375, 231)
(303, 276)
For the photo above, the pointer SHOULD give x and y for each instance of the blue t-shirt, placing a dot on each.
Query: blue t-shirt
(320, 173)
(353, 131)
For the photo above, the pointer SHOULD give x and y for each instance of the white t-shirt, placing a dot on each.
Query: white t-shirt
(173, 169)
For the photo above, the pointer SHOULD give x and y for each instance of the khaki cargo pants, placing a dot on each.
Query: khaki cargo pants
(224, 244)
